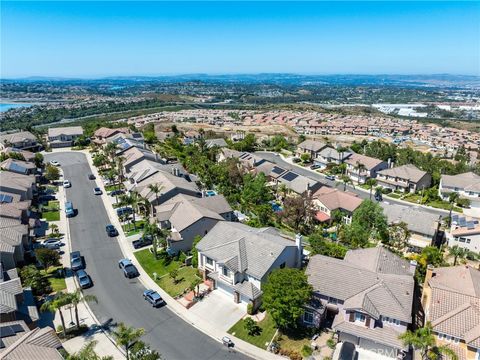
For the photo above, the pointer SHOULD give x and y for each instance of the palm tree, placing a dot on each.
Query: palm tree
(423, 340)
(156, 189)
(452, 199)
(458, 253)
(126, 336)
(76, 298)
(119, 161)
(110, 150)
(155, 232)
(132, 200)
(54, 304)
(345, 180)
(87, 352)
(371, 183)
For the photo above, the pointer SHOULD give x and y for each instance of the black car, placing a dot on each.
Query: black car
(91, 177)
(117, 192)
(76, 261)
(347, 352)
(111, 231)
(143, 241)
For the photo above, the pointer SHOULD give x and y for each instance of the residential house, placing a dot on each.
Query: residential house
(465, 233)
(330, 156)
(239, 258)
(466, 185)
(164, 135)
(27, 155)
(328, 200)
(63, 136)
(220, 143)
(187, 217)
(23, 140)
(361, 167)
(14, 242)
(101, 135)
(191, 136)
(310, 147)
(298, 183)
(21, 343)
(405, 178)
(423, 226)
(451, 302)
(127, 141)
(226, 153)
(18, 166)
(23, 185)
(369, 293)
(134, 155)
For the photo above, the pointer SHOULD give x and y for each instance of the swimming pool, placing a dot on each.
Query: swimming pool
(209, 193)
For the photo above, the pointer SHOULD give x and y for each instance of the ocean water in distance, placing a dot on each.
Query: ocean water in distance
(4, 107)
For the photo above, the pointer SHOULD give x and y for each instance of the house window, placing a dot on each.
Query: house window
(308, 317)
(209, 261)
(225, 271)
(332, 300)
(282, 265)
(468, 241)
(359, 317)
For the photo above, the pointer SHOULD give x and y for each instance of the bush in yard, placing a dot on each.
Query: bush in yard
(249, 309)
(462, 202)
(251, 327)
(52, 173)
(295, 356)
(174, 275)
(47, 257)
(284, 295)
(182, 257)
(31, 277)
(59, 329)
(306, 351)
(331, 343)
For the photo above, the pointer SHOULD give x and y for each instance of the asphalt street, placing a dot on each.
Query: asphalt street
(120, 298)
(321, 178)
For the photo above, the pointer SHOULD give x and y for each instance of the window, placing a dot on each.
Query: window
(225, 271)
(308, 317)
(332, 300)
(209, 261)
(468, 241)
(463, 239)
(359, 317)
(282, 265)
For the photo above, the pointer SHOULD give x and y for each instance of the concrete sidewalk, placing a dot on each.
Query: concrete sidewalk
(191, 318)
(105, 344)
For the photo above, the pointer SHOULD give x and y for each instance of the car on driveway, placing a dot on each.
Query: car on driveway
(91, 177)
(330, 177)
(124, 211)
(117, 192)
(111, 230)
(153, 297)
(129, 270)
(314, 167)
(76, 261)
(67, 183)
(83, 279)
(97, 191)
(143, 241)
(52, 244)
(54, 163)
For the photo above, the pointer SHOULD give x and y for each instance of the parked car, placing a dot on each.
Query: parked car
(227, 342)
(378, 196)
(52, 244)
(330, 177)
(84, 279)
(69, 211)
(97, 191)
(76, 261)
(347, 352)
(153, 298)
(54, 163)
(67, 183)
(124, 211)
(129, 270)
(143, 241)
(91, 177)
(314, 166)
(117, 192)
(111, 230)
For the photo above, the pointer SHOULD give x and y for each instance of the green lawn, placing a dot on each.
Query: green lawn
(151, 265)
(268, 331)
(395, 196)
(186, 275)
(130, 230)
(57, 283)
(51, 215)
(110, 188)
(294, 340)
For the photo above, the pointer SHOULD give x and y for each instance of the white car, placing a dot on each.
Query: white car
(97, 191)
(67, 183)
(52, 244)
(54, 163)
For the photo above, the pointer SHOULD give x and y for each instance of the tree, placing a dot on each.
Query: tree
(174, 275)
(126, 336)
(47, 257)
(323, 246)
(345, 180)
(156, 189)
(284, 295)
(370, 216)
(76, 298)
(87, 352)
(54, 304)
(31, 277)
(398, 235)
(371, 182)
(298, 212)
(52, 173)
(458, 253)
(38, 160)
(423, 340)
(151, 229)
(195, 285)
(194, 251)
(305, 157)
(251, 327)
(142, 351)
(99, 160)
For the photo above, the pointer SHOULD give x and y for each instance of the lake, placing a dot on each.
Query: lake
(4, 106)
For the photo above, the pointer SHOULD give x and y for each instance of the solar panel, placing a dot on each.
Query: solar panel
(17, 168)
(290, 176)
(277, 170)
(470, 225)
(17, 328)
(455, 218)
(462, 221)
(2, 345)
(4, 198)
(7, 331)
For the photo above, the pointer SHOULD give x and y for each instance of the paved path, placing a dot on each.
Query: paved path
(172, 330)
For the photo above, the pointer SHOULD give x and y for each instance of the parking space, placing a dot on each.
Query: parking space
(219, 310)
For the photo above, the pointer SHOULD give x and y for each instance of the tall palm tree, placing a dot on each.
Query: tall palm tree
(132, 200)
(156, 233)
(156, 189)
(126, 336)
(458, 253)
(423, 340)
(119, 161)
(110, 150)
(54, 304)
(144, 207)
(87, 352)
(371, 182)
(452, 199)
(344, 179)
(76, 298)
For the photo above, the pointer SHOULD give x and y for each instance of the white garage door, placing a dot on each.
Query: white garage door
(225, 289)
(379, 349)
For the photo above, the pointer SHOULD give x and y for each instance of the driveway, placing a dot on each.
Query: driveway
(219, 310)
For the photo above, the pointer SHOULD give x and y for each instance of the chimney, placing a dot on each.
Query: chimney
(413, 266)
(298, 244)
(429, 274)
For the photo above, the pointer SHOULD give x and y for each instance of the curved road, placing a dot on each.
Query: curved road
(119, 298)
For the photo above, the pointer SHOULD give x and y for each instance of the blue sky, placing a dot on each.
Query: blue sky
(92, 39)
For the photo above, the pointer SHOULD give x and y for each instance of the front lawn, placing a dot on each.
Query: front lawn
(185, 277)
(263, 339)
(51, 215)
(110, 188)
(151, 265)
(130, 230)
(57, 281)
(296, 339)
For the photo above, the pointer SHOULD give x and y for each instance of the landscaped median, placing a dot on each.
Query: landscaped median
(170, 274)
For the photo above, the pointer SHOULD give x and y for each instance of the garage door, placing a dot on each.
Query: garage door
(378, 348)
(348, 338)
(245, 300)
(225, 289)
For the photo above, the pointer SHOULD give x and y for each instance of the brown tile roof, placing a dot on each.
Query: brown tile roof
(409, 172)
(368, 161)
(335, 199)
(38, 344)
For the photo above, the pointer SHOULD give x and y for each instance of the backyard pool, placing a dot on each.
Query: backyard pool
(276, 207)
(209, 193)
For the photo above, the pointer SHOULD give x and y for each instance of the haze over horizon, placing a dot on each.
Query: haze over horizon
(115, 39)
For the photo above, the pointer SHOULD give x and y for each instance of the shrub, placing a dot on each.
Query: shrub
(251, 327)
(331, 343)
(386, 191)
(59, 329)
(249, 309)
(306, 351)
(182, 257)
(295, 355)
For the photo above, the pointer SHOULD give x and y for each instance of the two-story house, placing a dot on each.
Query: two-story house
(23, 140)
(464, 232)
(239, 258)
(330, 156)
(101, 135)
(467, 185)
(18, 166)
(369, 293)
(405, 178)
(327, 200)
(451, 301)
(310, 147)
(361, 167)
(63, 136)
(15, 183)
